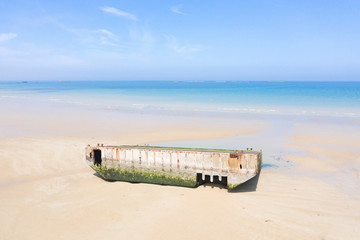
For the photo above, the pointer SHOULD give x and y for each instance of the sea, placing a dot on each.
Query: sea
(309, 99)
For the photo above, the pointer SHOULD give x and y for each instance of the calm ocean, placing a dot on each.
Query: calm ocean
(329, 99)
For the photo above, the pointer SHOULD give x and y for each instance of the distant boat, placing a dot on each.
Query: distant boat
(187, 167)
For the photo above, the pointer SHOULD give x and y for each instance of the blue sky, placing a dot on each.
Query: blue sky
(180, 40)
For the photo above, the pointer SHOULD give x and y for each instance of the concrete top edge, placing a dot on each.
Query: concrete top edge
(178, 148)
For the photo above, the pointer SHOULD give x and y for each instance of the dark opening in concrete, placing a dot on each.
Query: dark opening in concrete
(97, 157)
(215, 181)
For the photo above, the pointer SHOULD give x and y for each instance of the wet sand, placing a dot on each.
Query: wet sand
(48, 191)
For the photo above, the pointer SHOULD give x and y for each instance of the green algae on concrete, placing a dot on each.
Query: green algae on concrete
(260, 161)
(132, 174)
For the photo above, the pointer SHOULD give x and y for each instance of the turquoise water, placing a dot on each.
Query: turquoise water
(333, 99)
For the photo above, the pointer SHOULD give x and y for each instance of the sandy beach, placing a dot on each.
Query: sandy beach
(229, 79)
(48, 191)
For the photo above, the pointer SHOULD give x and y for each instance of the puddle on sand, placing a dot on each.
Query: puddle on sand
(273, 143)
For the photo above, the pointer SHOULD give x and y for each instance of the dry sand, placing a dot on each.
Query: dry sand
(48, 192)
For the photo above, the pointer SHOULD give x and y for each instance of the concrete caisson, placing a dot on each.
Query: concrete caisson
(174, 166)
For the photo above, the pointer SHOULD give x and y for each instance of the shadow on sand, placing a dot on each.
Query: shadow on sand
(249, 186)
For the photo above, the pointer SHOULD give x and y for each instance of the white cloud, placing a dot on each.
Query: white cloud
(120, 13)
(87, 36)
(7, 36)
(173, 44)
(107, 37)
(177, 9)
(6, 52)
(107, 33)
(105, 41)
(99, 36)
